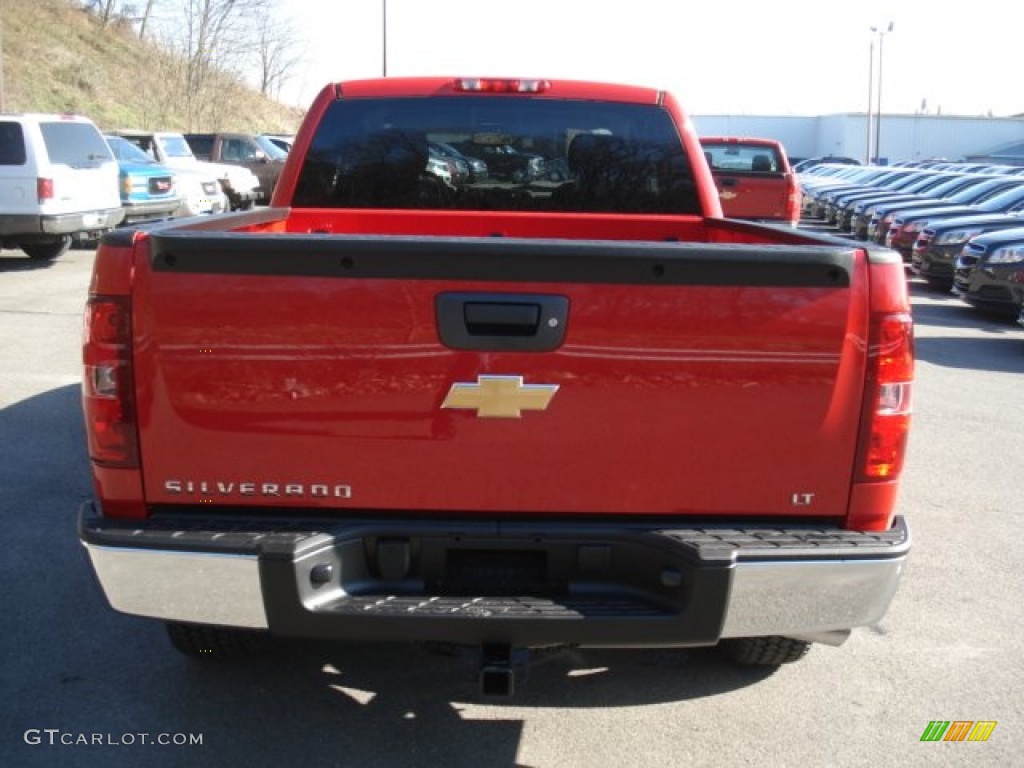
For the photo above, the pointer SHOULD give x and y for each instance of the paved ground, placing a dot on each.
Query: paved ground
(949, 649)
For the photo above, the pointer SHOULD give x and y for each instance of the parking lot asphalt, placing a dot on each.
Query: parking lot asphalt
(950, 648)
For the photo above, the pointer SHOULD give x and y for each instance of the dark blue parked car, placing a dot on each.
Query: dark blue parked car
(990, 272)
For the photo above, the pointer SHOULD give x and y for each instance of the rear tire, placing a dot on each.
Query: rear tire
(47, 250)
(770, 651)
(202, 641)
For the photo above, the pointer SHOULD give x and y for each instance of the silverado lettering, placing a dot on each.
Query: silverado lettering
(204, 488)
(581, 407)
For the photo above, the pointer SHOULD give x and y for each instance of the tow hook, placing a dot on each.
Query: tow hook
(498, 665)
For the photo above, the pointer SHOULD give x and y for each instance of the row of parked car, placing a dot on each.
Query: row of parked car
(474, 163)
(61, 178)
(959, 226)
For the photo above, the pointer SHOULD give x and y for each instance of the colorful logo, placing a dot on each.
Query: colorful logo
(958, 730)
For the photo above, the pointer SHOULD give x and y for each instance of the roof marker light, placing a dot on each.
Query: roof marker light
(497, 85)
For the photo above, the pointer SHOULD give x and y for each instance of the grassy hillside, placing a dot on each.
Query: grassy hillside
(57, 58)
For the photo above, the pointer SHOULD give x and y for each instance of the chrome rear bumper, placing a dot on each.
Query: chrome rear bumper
(593, 584)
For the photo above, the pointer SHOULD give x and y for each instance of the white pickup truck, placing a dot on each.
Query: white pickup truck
(239, 184)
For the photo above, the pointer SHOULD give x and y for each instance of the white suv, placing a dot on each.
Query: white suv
(58, 178)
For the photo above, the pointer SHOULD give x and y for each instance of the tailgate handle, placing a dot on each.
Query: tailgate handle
(487, 318)
(729, 182)
(502, 321)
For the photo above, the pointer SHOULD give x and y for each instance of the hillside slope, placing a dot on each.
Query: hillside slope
(57, 58)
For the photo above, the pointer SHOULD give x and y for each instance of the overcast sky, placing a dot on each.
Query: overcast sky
(788, 57)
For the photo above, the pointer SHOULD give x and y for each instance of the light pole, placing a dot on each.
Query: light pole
(878, 111)
(384, 37)
(871, 83)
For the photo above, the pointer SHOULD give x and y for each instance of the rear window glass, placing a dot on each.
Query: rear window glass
(742, 157)
(497, 153)
(74, 144)
(127, 152)
(12, 144)
(175, 146)
(239, 151)
(201, 146)
(270, 149)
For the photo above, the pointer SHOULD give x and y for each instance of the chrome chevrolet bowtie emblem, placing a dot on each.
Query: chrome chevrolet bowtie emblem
(500, 397)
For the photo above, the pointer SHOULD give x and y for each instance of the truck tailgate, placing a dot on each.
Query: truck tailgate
(652, 378)
(753, 195)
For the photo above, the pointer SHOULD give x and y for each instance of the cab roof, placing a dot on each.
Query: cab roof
(436, 86)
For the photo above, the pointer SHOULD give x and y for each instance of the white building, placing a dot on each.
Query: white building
(902, 137)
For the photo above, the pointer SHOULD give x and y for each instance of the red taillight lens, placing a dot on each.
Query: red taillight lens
(44, 189)
(492, 85)
(891, 361)
(794, 204)
(107, 383)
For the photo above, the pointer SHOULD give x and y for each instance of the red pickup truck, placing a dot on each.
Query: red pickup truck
(754, 178)
(508, 414)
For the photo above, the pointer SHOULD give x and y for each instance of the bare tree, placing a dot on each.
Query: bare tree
(105, 9)
(110, 11)
(277, 53)
(212, 39)
(144, 19)
(221, 45)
